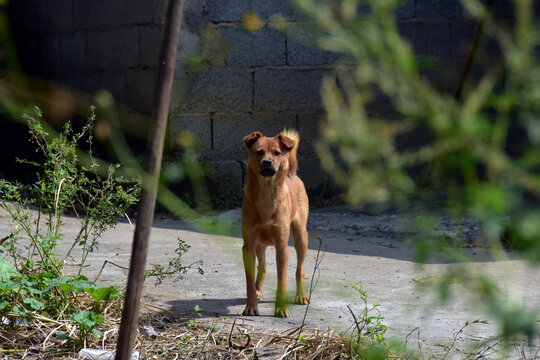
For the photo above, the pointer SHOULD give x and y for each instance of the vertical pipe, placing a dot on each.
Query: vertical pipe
(472, 51)
(160, 111)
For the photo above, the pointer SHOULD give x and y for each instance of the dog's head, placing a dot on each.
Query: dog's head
(268, 156)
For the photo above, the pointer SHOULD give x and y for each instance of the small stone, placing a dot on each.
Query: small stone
(271, 352)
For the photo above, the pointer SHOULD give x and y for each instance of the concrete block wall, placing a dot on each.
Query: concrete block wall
(268, 80)
(264, 80)
(92, 45)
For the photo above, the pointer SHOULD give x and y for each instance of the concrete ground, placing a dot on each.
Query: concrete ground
(357, 248)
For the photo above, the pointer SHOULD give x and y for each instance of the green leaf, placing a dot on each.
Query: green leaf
(34, 304)
(96, 333)
(7, 270)
(87, 319)
(84, 319)
(4, 304)
(62, 336)
(103, 293)
(21, 311)
(83, 284)
(31, 286)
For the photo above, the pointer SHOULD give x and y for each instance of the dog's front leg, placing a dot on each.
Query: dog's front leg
(261, 270)
(248, 255)
(282, 260)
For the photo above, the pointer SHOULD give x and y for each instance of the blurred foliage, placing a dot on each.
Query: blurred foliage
(464, 164)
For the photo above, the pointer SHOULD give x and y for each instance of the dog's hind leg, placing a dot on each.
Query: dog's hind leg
(300, 236)
(261, 270)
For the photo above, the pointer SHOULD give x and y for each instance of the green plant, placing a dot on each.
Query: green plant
(32, 283)
(175, 267)
(369, 327)
(87, 322)
(64, 184)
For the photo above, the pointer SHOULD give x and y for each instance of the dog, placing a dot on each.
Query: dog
(275, 203)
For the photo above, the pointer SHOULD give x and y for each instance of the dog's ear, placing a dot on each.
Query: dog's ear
(285, 142)
(252, 138)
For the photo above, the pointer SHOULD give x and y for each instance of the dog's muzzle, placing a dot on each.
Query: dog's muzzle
(267, 168)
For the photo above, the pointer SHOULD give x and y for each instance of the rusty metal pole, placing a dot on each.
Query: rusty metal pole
(472, 51)
(160, 112)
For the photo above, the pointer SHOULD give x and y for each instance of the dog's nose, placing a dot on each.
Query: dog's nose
(267, 163)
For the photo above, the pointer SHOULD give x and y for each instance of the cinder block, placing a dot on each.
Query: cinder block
(198, 126)
(95, 14)
(506, 8)
(230, 130)
(73, 50)
(146, 11)
(220, 91)
(89, 82)
(35, 10)
(225, 184)
(194, 18)
(438, 9)
(124, 47)
(312, 173)
(302, 49)
(182, 85)
(74, 80)
(266, 9)
(82, 19)
(115, 83)
(264, 47)
(429, 38)
(406, 9)
(112, 48)
(50, 54)
(288, 89)
(113, 12)
(59, 16)
(226, 10)
(98, 49)
(308, 127)
(461, 37)
(99, 14)
(149, 45)
(135, 124)
(140, 89)
(189, 43)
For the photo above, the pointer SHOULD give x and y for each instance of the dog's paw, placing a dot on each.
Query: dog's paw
(282, 312)
(301, 299)
(250, 311)
(259, 294)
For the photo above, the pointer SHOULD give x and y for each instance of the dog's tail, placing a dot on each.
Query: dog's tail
(293, 162)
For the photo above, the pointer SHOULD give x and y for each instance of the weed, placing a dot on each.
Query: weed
(369, 327)
(175, 267)
(32, 283)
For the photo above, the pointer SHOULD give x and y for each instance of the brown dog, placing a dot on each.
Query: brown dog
(275, 202)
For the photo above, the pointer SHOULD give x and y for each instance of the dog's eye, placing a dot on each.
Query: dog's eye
(260, 153)
(277, 153)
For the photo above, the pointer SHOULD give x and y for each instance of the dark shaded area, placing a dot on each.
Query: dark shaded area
(89, 46)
